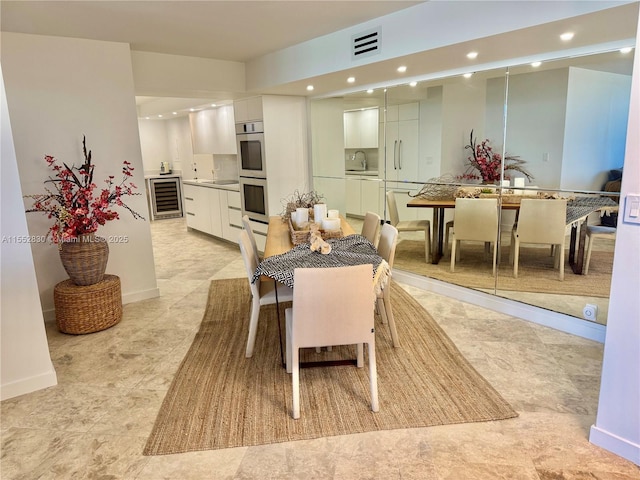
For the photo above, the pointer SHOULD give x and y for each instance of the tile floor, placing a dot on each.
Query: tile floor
(95, 422)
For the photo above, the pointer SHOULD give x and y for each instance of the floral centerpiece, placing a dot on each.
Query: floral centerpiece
(483, 164)
(76, 203)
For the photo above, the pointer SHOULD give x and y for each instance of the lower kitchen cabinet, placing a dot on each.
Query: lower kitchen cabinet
(213, 210)
(362, 196)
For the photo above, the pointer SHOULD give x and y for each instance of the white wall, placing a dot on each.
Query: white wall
(617, 426)
(154, 144)
(25, 362)
(597, 113)
(59, 89)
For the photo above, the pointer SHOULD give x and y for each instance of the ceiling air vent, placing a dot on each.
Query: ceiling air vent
(365, 44)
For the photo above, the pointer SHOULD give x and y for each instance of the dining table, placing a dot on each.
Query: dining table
(281, 258)
(578, 211)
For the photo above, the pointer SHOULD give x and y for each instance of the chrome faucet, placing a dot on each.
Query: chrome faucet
(363, 162)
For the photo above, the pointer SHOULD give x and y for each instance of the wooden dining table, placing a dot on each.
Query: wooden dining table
(281, 257)
(578, 211)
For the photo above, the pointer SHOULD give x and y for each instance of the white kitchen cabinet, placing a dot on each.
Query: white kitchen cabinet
(401, 149)
(231, 217)
(362, 195)
(213, 131)
(248, 109)
(352, 194)
(197, 208)
(361, 128)
(215, 201)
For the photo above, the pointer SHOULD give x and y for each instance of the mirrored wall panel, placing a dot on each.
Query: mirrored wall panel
(460, 160)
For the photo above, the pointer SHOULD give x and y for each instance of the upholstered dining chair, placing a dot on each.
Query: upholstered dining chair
(474, 219)
(593, 232)
(409, 225)
(540, 221)
(387, 250)
(263, 292)
(331, 306)
(371, 227)
(246, 224)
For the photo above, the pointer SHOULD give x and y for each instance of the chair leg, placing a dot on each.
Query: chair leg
(589, 241)
(516, 255)
(495, 258)
(373, 376)
(454, 253)
(381, 310)
(386, 295)
(295, 382)
(253, 326)
(359, 355)
(289, 323)
(561, 261)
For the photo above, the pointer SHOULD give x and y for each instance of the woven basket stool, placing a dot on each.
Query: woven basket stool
(88, 308)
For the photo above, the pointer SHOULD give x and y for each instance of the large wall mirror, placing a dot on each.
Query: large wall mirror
(561, 123)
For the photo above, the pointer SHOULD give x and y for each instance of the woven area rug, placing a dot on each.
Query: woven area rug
(220, 399)
(535, 271)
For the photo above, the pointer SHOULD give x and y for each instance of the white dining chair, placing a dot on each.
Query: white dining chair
(593, 232)
(246, 224)
(263, 292)
(474, 219)
(371, 227)
(409, 225)
(540, 221)
(331, 306)
(387, 250)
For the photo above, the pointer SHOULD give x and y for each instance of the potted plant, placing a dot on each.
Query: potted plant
(78, 208)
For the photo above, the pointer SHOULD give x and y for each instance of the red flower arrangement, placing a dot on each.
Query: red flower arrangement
(487, 164)
(74, 203)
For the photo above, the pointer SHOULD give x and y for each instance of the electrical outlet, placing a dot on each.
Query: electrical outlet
(590, 312)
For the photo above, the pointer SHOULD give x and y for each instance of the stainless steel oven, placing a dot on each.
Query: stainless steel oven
(250, 139)
(253, 194)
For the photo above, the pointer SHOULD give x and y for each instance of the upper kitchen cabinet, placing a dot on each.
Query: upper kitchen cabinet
(213, 131)
(248, 109)
(361, 128)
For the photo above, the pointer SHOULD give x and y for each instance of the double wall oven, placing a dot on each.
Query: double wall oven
(252, 169)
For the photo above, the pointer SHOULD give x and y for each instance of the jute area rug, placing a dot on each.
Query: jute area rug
(220, 399)
(535, 270)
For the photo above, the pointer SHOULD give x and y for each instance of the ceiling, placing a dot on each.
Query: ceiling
(242, 30)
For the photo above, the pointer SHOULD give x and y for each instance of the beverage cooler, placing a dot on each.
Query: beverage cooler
(165, 197)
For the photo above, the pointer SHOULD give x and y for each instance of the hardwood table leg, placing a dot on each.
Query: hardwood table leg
(437, 235)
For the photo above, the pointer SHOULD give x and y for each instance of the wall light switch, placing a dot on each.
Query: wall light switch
(632, 208)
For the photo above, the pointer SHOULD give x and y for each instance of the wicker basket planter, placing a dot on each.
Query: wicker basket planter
(85, 259)
(87, 309)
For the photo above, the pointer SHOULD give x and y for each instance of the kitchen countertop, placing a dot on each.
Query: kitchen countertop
(232, 185)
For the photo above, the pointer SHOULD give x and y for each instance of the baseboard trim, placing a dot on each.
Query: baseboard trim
(614, 444)
(548, 318)
(28, 385)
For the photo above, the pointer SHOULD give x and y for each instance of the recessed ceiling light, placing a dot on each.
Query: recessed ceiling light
(472, 55)
(565, 37)
(402, 69)
(146, 118)
(370, 91)
(536, 64)
(467, 75)
(413, 84)
(213, 105)
(175, 113)
(160, 116)
(351, 79)
(192, 109)
(309, 88)
(625, 50)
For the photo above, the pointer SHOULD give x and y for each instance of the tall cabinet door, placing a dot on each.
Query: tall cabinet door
(407, 150)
